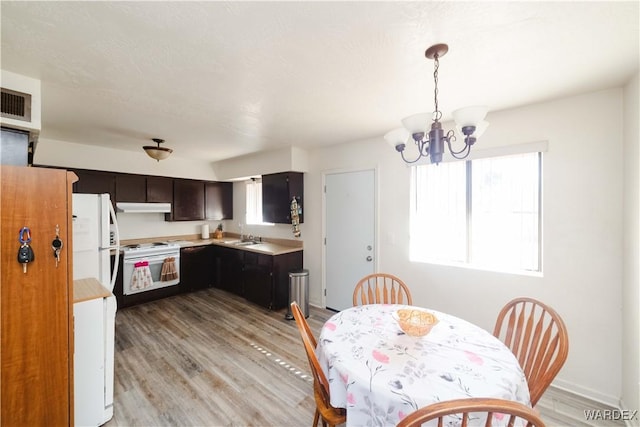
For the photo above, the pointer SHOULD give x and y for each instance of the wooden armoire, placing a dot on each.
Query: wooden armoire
(37, 306)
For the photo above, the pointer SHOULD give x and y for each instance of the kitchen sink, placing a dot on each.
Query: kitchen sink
(249, 243)
(231, 242)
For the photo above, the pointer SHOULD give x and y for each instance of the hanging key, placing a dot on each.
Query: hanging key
(25, 253)
(56, 245)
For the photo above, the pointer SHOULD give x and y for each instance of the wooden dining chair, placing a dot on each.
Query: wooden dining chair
(538, 338)
(466, 409)
(330, 416)
(381, 288)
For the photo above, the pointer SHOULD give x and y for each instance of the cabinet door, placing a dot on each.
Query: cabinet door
(131, 188)
(229, 274)
(275, 192)
(159, 189)
(218, 200)
(282, 265)
(188, 200)
(36, 325)
(257, 279)
(278, 189)
(96, 182)
(196, 270)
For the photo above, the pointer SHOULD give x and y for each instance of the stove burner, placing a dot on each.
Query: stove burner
(134, 246)
(159, 244)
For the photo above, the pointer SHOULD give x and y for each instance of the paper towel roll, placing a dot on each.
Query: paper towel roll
(205, 231)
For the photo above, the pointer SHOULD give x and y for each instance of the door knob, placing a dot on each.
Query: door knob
(369, 258)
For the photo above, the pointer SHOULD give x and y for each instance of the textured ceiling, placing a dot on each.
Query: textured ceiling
(222, 79)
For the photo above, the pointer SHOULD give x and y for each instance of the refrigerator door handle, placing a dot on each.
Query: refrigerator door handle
(116, 246)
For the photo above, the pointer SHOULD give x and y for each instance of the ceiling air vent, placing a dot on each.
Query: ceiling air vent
(16, 105)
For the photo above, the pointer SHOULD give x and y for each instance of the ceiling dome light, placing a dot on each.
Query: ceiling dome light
(158, 153)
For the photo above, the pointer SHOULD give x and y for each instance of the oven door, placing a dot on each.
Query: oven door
(152, 269)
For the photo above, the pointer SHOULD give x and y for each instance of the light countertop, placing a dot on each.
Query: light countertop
(88, 289)
(267, 246)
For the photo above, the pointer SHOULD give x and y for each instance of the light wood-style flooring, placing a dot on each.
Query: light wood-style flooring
(211, 358)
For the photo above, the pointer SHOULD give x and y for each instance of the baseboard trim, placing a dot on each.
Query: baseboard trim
(586, 393)
(561, 407)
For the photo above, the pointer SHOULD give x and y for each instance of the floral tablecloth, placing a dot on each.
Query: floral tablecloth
(380, 375)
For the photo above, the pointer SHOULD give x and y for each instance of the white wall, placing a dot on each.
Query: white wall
(631, 254)
(52, 152)
(261, 163)
(582, 221)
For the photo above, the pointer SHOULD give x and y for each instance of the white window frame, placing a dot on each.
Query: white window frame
(253, 202)
(451, 227)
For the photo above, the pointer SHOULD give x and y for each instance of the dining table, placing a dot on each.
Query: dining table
(380, 374)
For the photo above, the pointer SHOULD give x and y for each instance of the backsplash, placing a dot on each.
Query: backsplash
(146, 225)
(150, 225)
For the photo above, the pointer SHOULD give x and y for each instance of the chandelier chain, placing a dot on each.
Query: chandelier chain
(435, 90)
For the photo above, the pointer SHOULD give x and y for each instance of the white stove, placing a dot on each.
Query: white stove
(150, 266)
(146, 249)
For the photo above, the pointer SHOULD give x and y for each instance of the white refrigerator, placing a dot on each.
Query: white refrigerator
(95, 235)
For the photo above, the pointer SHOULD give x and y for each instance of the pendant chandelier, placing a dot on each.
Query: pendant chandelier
(158, 153)
(430, 143)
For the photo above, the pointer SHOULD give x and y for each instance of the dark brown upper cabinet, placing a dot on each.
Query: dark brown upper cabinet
(159, 189)
(278, 190)
(188, 200)
(131, 188)
(191, 199)
(218, 200)
(95, 182)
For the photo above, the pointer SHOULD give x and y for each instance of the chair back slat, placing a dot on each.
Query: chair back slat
(459, 411)
(538, 337)
(527, 354)
(381, 288)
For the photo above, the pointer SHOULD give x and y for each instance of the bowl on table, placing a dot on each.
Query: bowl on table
(415, 323)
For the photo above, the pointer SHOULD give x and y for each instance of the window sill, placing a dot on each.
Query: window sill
(527, 273)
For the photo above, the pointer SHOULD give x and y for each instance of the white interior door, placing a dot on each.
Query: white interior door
(350, 213)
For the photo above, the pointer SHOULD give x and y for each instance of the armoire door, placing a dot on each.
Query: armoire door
(36, 316)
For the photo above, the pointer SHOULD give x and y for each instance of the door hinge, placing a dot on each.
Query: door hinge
(325, 241)
(325, 292)
(325, 188)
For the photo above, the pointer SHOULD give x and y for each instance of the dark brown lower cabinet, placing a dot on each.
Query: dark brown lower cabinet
(257, 278)
(228, 269)
(196, 268)
(266, 278)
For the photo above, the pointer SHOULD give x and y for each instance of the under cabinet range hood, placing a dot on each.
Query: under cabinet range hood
(143, 207)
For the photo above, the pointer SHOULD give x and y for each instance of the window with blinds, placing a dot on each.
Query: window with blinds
(254, 201)
(484, 213)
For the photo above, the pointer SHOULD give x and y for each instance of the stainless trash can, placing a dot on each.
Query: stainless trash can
(298, 292)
